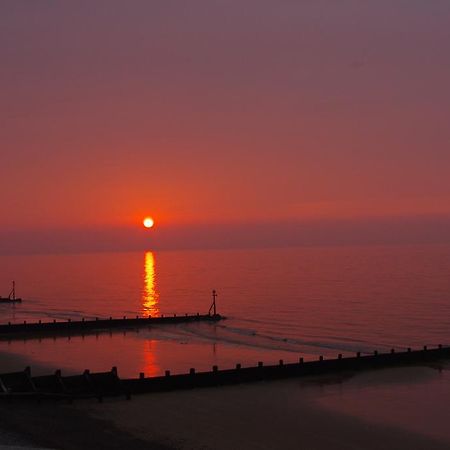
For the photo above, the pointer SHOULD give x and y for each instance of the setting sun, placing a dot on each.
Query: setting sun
(148, 222)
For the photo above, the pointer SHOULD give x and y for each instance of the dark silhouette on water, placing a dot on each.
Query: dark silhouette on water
(38, 329)
(98, 385)
(212, 308)
(12, 296)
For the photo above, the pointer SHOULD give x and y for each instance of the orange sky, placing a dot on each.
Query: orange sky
(222, 112)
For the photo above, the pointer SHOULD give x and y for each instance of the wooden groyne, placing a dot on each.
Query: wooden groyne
(11, 331)
(99, 385)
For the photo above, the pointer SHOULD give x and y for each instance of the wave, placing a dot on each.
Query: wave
(252, 338)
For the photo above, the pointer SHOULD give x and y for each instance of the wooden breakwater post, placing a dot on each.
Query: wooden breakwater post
(283, 370)
(103, 384)
(38, 329)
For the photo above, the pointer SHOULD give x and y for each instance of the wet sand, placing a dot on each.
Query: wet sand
(10, 362)
(311, 414)
(57, 425)
(289, 414)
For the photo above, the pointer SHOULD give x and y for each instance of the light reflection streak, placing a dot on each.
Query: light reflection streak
(150, 298)
(151, 367)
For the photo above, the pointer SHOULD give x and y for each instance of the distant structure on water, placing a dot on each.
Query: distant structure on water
(12, 296)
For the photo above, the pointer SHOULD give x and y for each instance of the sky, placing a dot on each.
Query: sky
(221, 117)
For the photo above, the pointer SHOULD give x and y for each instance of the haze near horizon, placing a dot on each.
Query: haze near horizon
(280, 120)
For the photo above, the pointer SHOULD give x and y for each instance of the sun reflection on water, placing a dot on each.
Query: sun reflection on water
(150, 296)
(151, 366)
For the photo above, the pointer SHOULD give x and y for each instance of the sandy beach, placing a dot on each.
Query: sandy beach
(382, 409)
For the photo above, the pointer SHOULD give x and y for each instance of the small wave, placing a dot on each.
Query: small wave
(254, 339)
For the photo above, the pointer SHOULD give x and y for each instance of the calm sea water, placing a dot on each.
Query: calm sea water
(279, 304)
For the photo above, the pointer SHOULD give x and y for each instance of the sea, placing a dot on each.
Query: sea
(281, 303)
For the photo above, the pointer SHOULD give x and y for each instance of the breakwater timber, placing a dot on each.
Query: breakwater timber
(11, 331)
(98, 385)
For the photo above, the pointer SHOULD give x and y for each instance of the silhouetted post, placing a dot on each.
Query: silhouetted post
(12, 294)
(213, 306)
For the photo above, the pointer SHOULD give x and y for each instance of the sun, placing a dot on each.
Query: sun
(148, 222)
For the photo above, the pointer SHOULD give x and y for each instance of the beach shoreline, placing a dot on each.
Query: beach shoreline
(276, 414)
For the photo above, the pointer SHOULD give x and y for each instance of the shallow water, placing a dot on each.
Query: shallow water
(279, 304)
